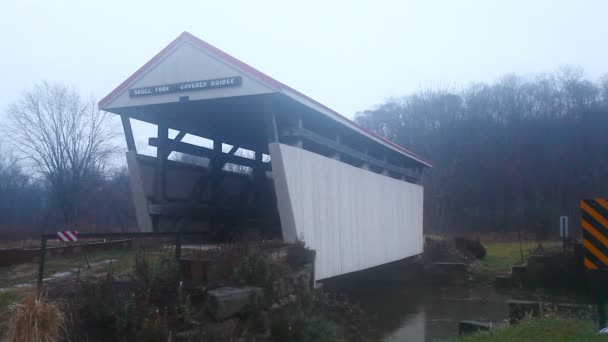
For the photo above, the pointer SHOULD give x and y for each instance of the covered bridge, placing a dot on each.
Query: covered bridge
(276, 161)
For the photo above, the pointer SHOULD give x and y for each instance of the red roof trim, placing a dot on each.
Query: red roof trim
(276, 85)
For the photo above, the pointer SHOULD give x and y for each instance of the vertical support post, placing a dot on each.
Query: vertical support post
(259, 183)
(385, 171)
(418, 175)
(601, 297)
(336, 155)
(41, 258)
(313, 273)
(161, 163)
(217, 147)
(404, 165)
(365, 150)
(126, 126)
(299, 124)
(521, 248)
(270, 120)
(563, 232)
(178, 245)
(215, 170)
(272, 134)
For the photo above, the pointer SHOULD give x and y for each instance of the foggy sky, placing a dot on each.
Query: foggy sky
(349, 55)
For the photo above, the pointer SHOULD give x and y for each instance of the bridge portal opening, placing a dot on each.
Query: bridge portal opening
(220, 185)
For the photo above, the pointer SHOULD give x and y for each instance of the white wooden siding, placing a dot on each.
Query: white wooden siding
(354, 218)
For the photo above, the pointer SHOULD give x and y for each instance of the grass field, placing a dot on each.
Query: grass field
(501, 256)
(16, 282)
(110, 261)
(499, 259)
(11, 276)
(7, 298)
(541, 329)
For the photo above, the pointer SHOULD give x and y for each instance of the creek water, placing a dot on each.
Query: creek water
(402, 306)
(429, 314)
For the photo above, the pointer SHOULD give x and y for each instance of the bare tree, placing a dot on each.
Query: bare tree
(67, 139)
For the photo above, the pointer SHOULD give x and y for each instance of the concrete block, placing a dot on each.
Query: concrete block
(554, 272)
(226, 302)
(473, 326)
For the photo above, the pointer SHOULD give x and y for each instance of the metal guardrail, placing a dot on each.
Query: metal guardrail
(43, 242)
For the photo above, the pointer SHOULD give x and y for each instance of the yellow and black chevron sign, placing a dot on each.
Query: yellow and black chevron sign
(595, 232)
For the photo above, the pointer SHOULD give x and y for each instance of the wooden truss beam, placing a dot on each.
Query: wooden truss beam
(204, 152)
(192, 207)
(345, 150)
(180, 136)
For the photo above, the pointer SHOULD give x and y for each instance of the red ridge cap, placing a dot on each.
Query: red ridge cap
(271, 82)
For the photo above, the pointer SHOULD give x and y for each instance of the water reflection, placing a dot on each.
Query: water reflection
(412, 328)
(403, 308)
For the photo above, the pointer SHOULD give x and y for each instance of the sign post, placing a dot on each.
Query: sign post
(601, 298)
(563, 230)
(594, 220)
(41, 257)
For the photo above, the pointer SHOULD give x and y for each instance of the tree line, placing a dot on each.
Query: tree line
(56, 168)
(509, 156)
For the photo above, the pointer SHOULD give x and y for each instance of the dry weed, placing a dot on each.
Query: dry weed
(34, 321)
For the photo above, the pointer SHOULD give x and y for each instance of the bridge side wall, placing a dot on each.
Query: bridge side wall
(354, 218)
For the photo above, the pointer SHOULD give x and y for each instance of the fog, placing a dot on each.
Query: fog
(349, 55)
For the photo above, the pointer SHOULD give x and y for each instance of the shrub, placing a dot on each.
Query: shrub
(185, 310)
(316, 327)
(298, 254)
(470, 246)
(304, 294)
(153, 328)
(254, 270)
(34, 321)
(280, 330)
(162, 270)
(98, 301)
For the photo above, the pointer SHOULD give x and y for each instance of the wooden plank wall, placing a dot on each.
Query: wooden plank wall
(354, 218)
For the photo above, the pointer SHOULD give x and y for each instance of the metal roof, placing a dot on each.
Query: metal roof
(266, 80)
